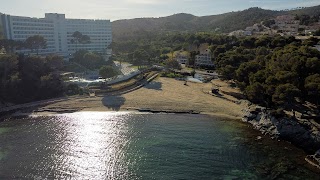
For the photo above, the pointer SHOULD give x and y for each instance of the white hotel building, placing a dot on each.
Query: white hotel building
(57, 30)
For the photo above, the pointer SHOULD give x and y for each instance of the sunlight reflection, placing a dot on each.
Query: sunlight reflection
(94, 145)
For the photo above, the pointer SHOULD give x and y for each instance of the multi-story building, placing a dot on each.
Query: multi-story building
(204, 58)
(57, 31)
(182, 58)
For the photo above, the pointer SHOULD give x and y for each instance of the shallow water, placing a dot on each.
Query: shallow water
(106, 145)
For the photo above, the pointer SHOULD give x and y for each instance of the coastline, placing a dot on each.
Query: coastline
(165, 95)
(162, 95)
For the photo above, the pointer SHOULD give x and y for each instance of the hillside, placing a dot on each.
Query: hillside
(186, 22)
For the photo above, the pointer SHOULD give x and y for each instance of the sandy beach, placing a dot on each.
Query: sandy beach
(162, 94)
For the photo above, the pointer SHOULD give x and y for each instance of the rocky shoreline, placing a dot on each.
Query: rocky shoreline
(301, 133)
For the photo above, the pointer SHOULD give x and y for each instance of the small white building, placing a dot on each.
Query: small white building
(204, 58)
(182, 58)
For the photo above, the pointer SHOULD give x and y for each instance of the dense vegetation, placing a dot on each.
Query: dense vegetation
(107, 72)
(156, 38)
(34, 43)
(28, 78)
(306, 19)
(89, 60)
(274, 71)
(155, 48)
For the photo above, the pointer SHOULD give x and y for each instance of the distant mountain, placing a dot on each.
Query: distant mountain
(186, 22)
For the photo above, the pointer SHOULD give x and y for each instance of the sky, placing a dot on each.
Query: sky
(128, 9)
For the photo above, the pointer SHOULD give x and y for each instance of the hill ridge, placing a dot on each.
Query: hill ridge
(181, 22)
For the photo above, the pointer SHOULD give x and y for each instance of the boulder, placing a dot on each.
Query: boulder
(303, 134)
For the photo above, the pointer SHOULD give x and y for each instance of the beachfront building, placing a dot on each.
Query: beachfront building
(182, 58)
(58, 30)
(204, 58)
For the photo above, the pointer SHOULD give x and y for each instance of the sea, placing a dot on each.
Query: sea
(129, 145)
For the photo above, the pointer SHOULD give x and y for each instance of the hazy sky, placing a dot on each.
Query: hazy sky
(127, 9)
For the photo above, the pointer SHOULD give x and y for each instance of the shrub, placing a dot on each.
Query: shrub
(73, 89)
(171, 75)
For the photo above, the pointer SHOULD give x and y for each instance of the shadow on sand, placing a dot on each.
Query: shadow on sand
(154, 85)
(113, 102)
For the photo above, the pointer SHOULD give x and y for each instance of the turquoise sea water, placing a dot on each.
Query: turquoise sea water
(107, 145)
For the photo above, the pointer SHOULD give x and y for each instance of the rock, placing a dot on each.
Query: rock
(302, 134)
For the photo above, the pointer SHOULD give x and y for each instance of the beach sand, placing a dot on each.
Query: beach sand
(162, 94)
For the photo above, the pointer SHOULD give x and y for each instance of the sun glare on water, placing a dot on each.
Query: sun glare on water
(97, 141)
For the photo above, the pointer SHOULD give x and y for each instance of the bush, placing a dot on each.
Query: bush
(73, 89)
(171, 75)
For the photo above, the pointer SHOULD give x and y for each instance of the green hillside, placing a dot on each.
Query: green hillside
(123, 29)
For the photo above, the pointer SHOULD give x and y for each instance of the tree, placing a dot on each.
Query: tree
(36, 42)
(50, 86)
(248, 42)
(278, 41)
(172, 64)
(93, 60)
(139, 57)
(317, 33)
(107, 72)
(312, 85)
(219, 50)
(8, 74)
(245, 69)
(88, 59)
(78, 37)
(25, 79)
(55, 62)
(72, 89)
(263, 41)
(285, 94)
(192, 58)
(255, 92)
(9, 45)
(269, 22)
(311, 41)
